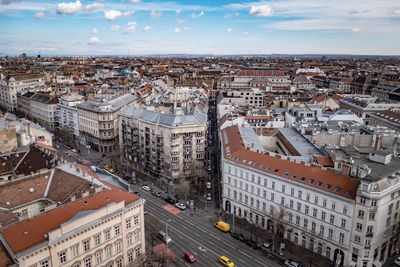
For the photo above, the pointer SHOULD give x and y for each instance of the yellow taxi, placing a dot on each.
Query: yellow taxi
(226, 261)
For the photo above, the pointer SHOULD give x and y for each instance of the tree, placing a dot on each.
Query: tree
(277, 216)
(183, 190)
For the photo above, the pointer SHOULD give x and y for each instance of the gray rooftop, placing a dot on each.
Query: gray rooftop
(196, 116)
(299, 142)
(110, 104)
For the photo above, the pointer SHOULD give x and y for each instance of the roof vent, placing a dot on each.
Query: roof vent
(8, 203)
(31, 190)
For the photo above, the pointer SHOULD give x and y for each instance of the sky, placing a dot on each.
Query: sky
(221, 27)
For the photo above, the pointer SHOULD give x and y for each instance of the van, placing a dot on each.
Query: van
(223, 226)
(164, 237)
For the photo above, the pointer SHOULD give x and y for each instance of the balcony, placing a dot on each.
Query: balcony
(370, 234)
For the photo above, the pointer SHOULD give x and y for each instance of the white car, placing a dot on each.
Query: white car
(180, 206)
(292, 263)
(397, 261)
(146, 188)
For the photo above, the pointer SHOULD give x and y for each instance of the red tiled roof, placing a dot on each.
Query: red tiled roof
(311, 176)
(31, 232)
(325, 161)
(259, 73)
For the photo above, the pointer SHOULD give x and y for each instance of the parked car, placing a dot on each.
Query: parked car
(180, 206)
(237, 236)
(157, 194)
(252, 244)
(397, 261)
(146, 188)
(208, 196)
(226, 261)
(133, 181)
(170, 200)
(208, 185)
(166, 238)
(292, 263)
(267, 244)
(189, 257)
(137, 193)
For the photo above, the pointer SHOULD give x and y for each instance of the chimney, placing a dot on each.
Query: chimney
(378, 142)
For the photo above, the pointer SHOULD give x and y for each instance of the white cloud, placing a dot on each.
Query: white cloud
(186, 29)
(148, 28)
(245, 33)
(154, 14)
(112, 14)
(198, 15)
(134, 1)
(262, 10)
(180, 21)
(94, 30)
(40, 15)
(178, 11)
(356, 29)
(94, 40)
(115, 27)
(69, 8)
(131, 26)
(94, 6)
(229, 29)
(177, 30)
(227, 16)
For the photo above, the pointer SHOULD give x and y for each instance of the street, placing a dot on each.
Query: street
(195, 232)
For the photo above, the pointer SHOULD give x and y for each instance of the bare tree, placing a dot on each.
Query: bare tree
(183, 190)
(277, 216)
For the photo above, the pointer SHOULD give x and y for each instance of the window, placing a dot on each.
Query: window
(308, 197)
(283, 188)
(107, 234)
(137, 252)
(344, 210)
(88, 262)
(298, 206)
(97, 240)
(332, 219)
(99, 257)
(62, 256)
(357, 239)
(372, 216)
(343, 224)
(130, 257)
(341, 238)
(291, 204)
(299, 194)
(324, 203)
(321, 230)
(361, 214)
(359, 227)
(333, 206)
(136, 236)
(118, 246)
(117, 230)
(314, 213)
(265, 194)
(297, 220)
(313, 225)
(373, 203)
(128, 223)
(292, 191)
(390, 209)
(330, 233)
(44, 263)
(282, 201)
(305, 224)
(290, 216)
(129, 240)
(362, 200)
(367, 243)
(306, 208)
(86, 245)
(74, 250)
(108, 251)
(272, 197)
(323, 214)
(273, 185)
(119, 262)
(316, 200)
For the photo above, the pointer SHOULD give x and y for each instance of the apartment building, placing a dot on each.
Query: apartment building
(98, 121)
(68, 117)
(318, 204)
(13, 84)
(39, 107)
(68, 217)
(169, 146)
(254, 98)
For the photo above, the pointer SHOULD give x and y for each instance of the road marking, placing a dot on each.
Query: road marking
(219, 239)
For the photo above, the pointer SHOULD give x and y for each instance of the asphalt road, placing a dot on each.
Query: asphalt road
(196, 233)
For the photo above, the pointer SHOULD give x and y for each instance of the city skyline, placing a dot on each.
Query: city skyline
(199, 27)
